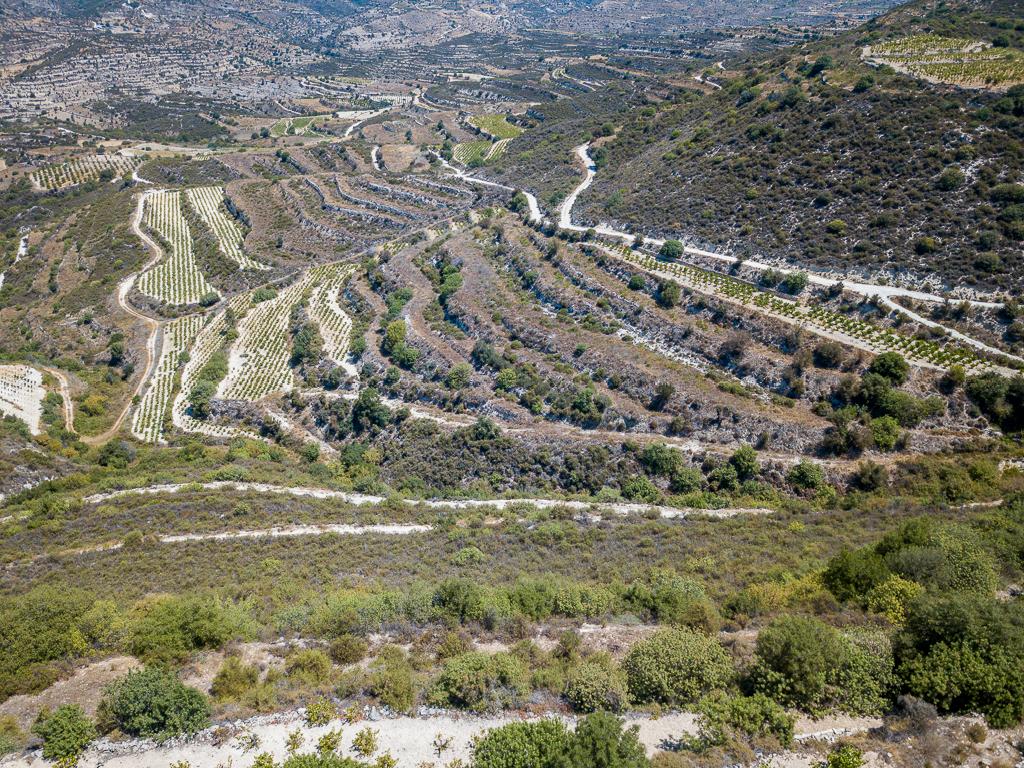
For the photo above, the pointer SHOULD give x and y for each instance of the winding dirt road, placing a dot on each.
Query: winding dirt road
(153, 325)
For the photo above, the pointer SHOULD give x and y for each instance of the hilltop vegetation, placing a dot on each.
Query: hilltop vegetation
(779, 163)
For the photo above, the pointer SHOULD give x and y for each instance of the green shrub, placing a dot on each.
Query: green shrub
(11, 737)
(169, 628)
(891, 366)
(668, 598)
(309, 666)
(234, 679)
(843, 756)
(597, 684)
(540, 744)
(479, 681)
(348, 649)
(601, 741)
(963, 653)
(803, 663)
(391, 679)
(851, 575)
(676, 667)
(153, 702)
(65, 733)
(806, 476)
(723, 718)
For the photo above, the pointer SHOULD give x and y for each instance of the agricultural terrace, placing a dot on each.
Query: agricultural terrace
(824, 321)
(208, 203)
(83, 169)
(297, 126)
(148, 421)
(258, 360)
(335, 325)
(953, 60)
(208, 342)
(496, 126)
(471, 152)
(176, 279)
(21, 394)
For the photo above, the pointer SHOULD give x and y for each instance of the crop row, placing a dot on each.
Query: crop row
(208, 203)
(335, 325)
(496, 126)
(148, 420)
(207, 342)
(82, 169)
(176, 279)
(21, 394)
(471, 152)
(823, 320)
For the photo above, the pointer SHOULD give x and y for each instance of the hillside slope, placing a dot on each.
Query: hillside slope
(815, 156)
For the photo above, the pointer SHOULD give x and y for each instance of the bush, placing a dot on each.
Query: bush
(391, 680)
(601, 742)
(11, 737)
(169, 628)
(851, 575)
(480, 682)
(803, 663)
(540, 744)
(348, 649)
(892, 598)
(234, 679)
(745, 462)
(309, 666)
(890, 366)
(153, 702)
(963, 653)
(676, 667)
(723, 719)
(595, 685)
(65, 733)
(806, 476)
(672, 249)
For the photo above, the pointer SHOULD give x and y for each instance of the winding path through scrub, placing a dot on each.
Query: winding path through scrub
(361, 499)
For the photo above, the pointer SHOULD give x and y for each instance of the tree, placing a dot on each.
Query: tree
(745, 462)
(676, 667)
(890, 366)
(601, 741)
(65, 733)
(885, 431)
(672, 249)
(153, 702)
(794, 657)
(806, 476)
(668, 294)
(459, 376)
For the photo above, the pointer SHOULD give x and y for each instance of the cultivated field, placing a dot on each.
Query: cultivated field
(258, 360)
(335, 325)
(82, 169)
(176, 279)
(151, 413)
(208, 202)
(21, 394)
(954, 60)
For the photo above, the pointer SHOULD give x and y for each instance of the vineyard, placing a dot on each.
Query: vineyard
(208, 204)
(335, 325)
(496, 126)
(176, 279)
(206, 344)
(954, 60)
(21, 394)
(82, 169)
(822, 320)
(497, 149)
(258, 362)
(297, 126)
(148, 421)
(471, 152)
